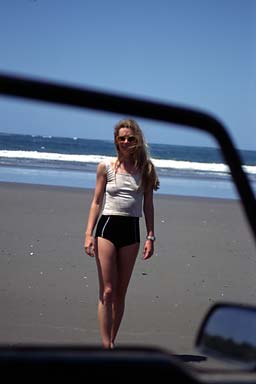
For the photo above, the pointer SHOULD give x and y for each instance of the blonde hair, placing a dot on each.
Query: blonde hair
(140, 154)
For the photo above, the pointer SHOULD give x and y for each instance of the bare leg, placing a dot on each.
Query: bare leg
(126, 258)
(106, 257)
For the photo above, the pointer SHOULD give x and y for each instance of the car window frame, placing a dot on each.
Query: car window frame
(44, 90)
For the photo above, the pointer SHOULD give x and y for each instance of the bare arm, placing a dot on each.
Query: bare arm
(95, 209)
(148, 208)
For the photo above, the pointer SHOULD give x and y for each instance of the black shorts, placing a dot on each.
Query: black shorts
(120, 230)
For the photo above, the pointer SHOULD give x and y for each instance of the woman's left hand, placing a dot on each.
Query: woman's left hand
(148, 249)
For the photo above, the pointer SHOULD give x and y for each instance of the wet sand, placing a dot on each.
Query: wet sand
(204, 253)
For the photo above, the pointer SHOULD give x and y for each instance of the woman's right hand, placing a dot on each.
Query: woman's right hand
(89, 245)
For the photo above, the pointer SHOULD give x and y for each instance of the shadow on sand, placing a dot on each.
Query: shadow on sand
(191, 358)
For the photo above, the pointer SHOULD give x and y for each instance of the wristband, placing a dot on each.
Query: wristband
(151, 238)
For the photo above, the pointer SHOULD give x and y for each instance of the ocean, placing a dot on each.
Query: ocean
(71, 162)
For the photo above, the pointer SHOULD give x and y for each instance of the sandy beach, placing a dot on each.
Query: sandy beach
(204, 253)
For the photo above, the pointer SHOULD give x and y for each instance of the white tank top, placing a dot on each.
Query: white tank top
(122, 196)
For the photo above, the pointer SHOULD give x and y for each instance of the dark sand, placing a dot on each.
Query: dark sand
(48, 286)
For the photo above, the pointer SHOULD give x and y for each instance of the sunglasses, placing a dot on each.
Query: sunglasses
(130, 139)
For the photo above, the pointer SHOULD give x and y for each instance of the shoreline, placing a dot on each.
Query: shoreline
(48, 286)
(81, 184)
(174, 185)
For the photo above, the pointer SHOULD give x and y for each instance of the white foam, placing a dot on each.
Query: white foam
(160, 163)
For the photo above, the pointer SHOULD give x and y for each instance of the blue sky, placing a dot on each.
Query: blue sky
(199, 53)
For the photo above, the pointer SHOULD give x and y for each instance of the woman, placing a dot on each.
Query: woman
(127, 184)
